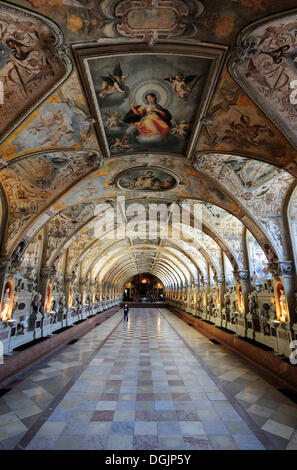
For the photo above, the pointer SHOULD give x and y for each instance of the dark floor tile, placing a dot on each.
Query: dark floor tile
(114, 382)
(181, 396)
(145, 397)
(109, 396)
(196, 443)
(104, 415)
(187, 416)
(28, 422)
(145, 443)
(277, 442)
(11, 442)
(175, 382)
(145, 382)
(146, 415)
(259, 420)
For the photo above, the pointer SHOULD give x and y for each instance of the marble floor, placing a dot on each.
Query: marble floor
(151, 383)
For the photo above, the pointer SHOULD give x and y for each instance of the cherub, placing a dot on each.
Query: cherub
(60, 132)
(181, 128)
(121, 144)
(113, 83)
(182, 85)
(114, 119)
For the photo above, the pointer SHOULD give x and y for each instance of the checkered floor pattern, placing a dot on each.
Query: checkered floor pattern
(155, 383)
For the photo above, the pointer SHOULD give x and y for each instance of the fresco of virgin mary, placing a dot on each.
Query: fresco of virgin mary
(150, 119)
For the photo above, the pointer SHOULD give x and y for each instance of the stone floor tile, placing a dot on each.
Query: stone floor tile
(145, 428)
(247, 442)
(277, 428)
(191, 428)
(219, 442)
(171, 442)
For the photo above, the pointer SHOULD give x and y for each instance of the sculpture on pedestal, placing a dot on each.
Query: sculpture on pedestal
(36, 303)
(54, 311)
(253, 305)
(272, 313)
(264, 319)
(234, 311)
(226, 308)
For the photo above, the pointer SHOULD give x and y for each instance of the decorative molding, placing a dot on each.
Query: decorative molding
(150, 19)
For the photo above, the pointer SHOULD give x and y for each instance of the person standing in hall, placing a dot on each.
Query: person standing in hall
(126, 311)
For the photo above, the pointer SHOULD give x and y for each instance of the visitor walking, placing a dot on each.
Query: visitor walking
(126, 311)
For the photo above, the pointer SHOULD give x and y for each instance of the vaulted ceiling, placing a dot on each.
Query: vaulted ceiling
(75, 80)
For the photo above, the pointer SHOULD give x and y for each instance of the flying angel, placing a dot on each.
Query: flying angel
(182, 86)
(113, 83)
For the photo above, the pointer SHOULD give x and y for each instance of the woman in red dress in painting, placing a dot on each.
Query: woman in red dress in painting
(150, 119)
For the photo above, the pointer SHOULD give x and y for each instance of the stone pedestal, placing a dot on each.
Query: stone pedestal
(273, 339)
(284, 338)
(35, 325)
(5, 334)
(250, 331)
(69, 318)
(46, 326)
(84, 313)
(241, 326)
(231, 326)
(218, 319)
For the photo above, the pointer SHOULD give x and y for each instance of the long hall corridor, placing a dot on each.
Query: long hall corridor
(151, 383)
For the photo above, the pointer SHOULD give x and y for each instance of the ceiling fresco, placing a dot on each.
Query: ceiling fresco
(260, 188)
(266, 69)
(33, 63)
(31, 185)
(234, 124)
(146, 180)
(163, 101)
(145, 101)
(83, 20)
(62, 121)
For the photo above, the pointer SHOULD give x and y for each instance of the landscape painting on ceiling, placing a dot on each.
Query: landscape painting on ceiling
(147, 101)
